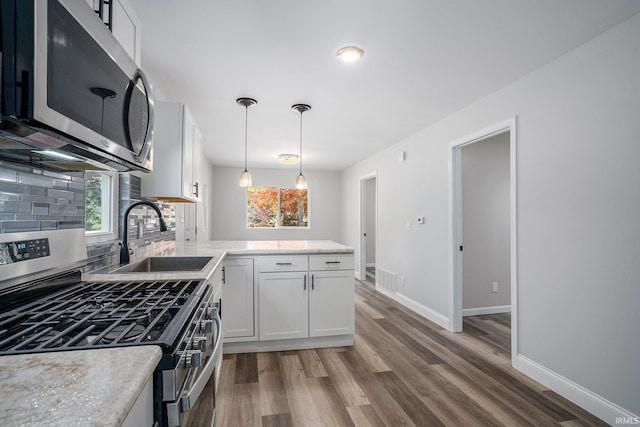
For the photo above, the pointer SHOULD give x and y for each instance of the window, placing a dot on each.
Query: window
(273, 207)
(100, 197)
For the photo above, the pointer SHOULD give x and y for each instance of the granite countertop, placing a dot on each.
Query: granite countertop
(219, 249)
(268, 247)
(74, 388)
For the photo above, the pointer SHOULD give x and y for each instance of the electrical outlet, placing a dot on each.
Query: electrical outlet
(494, 287)
(420, 220)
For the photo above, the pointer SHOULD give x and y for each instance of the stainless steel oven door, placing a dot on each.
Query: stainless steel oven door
(196, 404)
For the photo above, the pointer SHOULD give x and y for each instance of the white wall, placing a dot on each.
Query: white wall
(485, 223)
(578, 204)
(229, 200)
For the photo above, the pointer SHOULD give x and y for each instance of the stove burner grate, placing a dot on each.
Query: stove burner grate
(100, 314)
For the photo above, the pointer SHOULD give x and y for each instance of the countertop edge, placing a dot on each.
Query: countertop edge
(69, 387)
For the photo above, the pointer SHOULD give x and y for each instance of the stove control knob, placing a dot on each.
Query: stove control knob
(200, 343)
(206, 326)
(193, 358)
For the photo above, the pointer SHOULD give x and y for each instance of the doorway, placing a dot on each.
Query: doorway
(488, 217)
(368, 228)
(186, 221)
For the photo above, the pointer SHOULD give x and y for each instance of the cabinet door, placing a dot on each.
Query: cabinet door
(187, 154)
(126, 29)
(192, 157)
(331, 303)
(284, 307)
(173, 155)
(196, 162)
(237, 298)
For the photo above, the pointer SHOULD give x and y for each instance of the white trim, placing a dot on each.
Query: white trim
(455, 264)
(586, 399)
(486, 310)
(356, 274)
(422, 310)
(109, 199)
(362, 274)
(370, 264)
(286, 345)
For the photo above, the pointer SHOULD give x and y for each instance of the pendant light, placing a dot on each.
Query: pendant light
(245, 177)
(301, 181)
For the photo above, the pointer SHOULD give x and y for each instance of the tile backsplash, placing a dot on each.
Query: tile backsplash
(152, 239)
(33, 199)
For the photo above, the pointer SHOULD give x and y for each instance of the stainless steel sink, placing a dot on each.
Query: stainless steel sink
(165, 264)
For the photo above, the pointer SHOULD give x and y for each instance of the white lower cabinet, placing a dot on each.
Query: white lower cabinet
(308, 303)
(284, 310)
(331, 303)
(238, 297)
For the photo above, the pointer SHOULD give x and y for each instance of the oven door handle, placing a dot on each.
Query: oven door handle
(190, 398)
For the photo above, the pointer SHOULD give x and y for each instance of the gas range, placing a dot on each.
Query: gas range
(97, 315)
(45, 306)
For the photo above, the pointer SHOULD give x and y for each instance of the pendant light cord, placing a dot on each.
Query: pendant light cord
(246, 127)
(300, 142)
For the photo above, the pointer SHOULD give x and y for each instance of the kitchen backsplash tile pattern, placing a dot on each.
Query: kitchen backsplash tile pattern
(33, 199)
(152, 240)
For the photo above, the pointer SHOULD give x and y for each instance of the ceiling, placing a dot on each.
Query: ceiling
(424, 60)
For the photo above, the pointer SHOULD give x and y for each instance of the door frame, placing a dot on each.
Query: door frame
(363, 221)
(455, 224)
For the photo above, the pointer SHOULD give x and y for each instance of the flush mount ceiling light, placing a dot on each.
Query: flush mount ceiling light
(301, 182)
(245, 177)
(350, 54)
(288, 159)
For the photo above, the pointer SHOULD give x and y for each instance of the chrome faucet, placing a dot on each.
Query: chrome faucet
(124, 250)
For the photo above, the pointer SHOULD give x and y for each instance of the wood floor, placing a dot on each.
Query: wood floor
(402, 371)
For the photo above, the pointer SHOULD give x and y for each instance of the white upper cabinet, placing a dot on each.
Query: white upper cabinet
(124, 26)
(177, 156)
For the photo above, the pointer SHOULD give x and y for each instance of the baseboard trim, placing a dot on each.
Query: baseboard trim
(422, 310)
(286, 345)
(588, 400)
(486, 310)
(370, 264)
(356, 274)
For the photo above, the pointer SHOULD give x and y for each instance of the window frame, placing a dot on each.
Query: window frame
(278, 215)
(109, 205)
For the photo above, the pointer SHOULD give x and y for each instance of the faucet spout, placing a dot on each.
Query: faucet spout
(124, 250)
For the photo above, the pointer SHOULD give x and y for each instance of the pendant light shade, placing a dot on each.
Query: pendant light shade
(301, 181)
(245, 177)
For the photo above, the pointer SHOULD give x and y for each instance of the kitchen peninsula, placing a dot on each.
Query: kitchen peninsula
(277, 294)
(285, 294)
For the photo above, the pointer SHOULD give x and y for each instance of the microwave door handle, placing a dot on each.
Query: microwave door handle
(187, 401)
(146, 145)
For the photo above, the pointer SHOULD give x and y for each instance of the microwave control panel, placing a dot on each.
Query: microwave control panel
(23, 250)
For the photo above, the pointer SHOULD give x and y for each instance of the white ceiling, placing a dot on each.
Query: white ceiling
(424, 59)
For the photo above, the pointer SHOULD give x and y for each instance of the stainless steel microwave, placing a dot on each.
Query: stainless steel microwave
(72, 98)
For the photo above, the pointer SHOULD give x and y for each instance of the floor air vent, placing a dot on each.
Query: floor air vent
(388, 280)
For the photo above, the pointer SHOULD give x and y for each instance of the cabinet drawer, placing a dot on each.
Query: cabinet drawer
(331, 262)
(283, 263)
